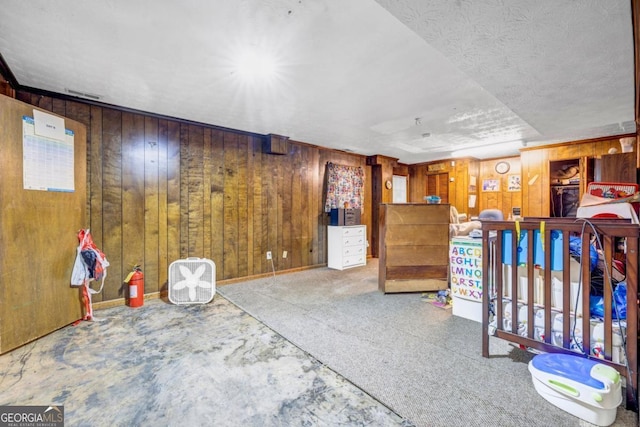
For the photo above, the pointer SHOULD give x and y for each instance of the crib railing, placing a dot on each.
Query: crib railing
(537, 293)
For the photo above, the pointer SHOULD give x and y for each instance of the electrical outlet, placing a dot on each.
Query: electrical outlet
(268, 254)
(284, 254)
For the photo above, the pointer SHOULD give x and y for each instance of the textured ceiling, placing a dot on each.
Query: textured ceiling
(410, 79)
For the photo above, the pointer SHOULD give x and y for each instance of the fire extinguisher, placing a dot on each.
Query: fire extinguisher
(135, 279)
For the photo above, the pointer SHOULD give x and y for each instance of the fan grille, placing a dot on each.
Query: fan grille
(192, 281)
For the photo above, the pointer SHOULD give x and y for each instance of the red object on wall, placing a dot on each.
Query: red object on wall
(136, 288)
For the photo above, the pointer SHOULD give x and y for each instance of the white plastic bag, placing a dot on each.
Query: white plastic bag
(80, 272)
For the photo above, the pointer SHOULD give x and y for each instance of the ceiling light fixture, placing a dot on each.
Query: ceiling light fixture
(254, 64)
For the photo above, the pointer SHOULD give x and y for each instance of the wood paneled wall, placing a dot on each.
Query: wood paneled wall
(458, 173)
(161, 190)
(532, 166)
(382, 168)
(39, 240)
(503, 199)
(536, 173)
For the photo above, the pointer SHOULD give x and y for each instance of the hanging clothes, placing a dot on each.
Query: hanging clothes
(90, 264)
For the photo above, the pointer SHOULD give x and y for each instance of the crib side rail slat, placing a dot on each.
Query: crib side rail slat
(633, 340)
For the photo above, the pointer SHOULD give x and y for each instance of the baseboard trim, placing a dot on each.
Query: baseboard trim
(101, 305)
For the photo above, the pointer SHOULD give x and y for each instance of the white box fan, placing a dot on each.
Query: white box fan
(192, 281)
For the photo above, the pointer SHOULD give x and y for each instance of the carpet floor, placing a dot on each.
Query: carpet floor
(418, 359)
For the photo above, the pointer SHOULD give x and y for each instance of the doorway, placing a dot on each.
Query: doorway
(438, 185)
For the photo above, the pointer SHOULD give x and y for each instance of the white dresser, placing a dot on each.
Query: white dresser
(347, 246)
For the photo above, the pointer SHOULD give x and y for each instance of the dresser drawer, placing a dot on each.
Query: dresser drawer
(353, 250)
(353, 260)
(353, 241)
(353, 231)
